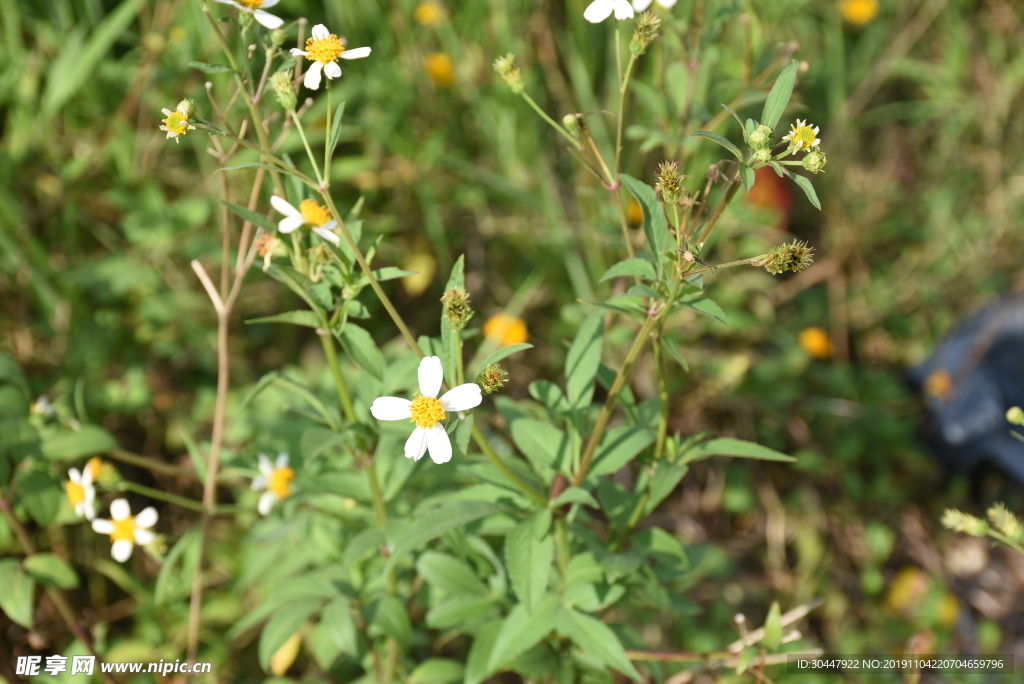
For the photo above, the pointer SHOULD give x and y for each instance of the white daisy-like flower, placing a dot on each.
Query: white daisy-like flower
(274, 478)
(176, 124)
(323, 49)
(126, 530)
(310, 214)
(802, 136)
(599, 10)
(427, 411)
(255, 8)
(80, 492)
(641, 5)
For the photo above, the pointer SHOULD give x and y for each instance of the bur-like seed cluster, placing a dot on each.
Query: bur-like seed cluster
(281, 82)
(507, 69)
(644, 33)
(492, 378)
(669, 182)
(1005, 522)
(760, 138)
(456, 308)
(814, 161)
(794, 256)
(958, 521)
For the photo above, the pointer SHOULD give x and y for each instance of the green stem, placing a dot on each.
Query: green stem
(551, 122)
(309, 151)
(162, 496)
(659, 358)
(378, 497)
(327, 140)
(460, 372)
(622, 105)
(705, 232)
(485, 447)
(562, 542)
(729, 264)
(339, 380)
(613, 394)
(1006, 540)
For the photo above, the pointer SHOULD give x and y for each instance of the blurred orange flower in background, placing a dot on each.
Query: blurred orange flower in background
(441, 69)
(859, 12)
(428, 14)
(815, 342)
(505, 329)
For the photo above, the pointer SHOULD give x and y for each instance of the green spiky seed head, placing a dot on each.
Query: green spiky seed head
(492, 378)
(794, 256)
(644, 33)
(814, 161)
(456, 308)
(669, 182)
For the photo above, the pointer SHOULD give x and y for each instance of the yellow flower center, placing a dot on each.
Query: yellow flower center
(94, 466)
(324, 50)
(441, 69)
(816, 342)
(177, 123)
(426, 412)
(803, 136)
(427, 14)
(250, 4)
(313, 213)
(859, 12)
(124, 530)
(278, 481)
(75, 491)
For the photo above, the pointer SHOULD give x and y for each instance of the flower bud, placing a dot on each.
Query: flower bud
(456, 308)
(507, 69)
(277, 37)
(760, 137)
(1006, 522)
(1015, 415)
(795, 257)
(187, 107)
(814, 161)
(571, 121)
(281, 82)
(669, 182)
(644, 33)
(763, 155)
(958, 521)
(492, 378)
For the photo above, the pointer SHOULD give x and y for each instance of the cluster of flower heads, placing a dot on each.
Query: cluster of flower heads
(802, 137)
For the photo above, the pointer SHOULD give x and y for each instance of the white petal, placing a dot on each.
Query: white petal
(121, 550)
(143, 537)
(76, 476)
(147, 518)
(268, 19)
(431, 375)
(332, 70)
(623, 10)
(326, 234)
(270, 3)
(320, 32)
(87, 510)
(664, 3)
(641, 5)
(296, 52)
(119, 509)
(265, 466)
(86, 480)
(416, 445)
(438, 444)
(167, 112)
(258, 483)
(462, 398)
(102, 526)
(290, 223)
(283, 206)
(598, 11)
(224, 2)
(356, 53)
(282, 460)
(390, 408)
(312, 79)
(266, 503)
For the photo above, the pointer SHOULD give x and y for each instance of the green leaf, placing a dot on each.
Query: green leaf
(390, 618)
(504, 352)
(449, 575)
(673, 349)
(778, 98)
(391, 273)
(727, 446)
(583, 569)
(460, 611)
(253, 217)
(41, 495)
(583, 360)
(210, 68)
(16, 597)
(773, 627)
(708, 308)
(549, 394)
(617, 447)
(335, 130)
(748, 176)
(361, 348)
(480, 652)
(303, 317)
(529, 563)
(69, 445)
(522, 630)
(738, 120)
(617, 503)
(655, 223)
(575, 495)
(541, 442)
(11, 372)
(436, 671)
(664, 481)
(436, 522)
(450, 338)
(335, 634)
(284, 622)
(255, 165)
(49, 569)
(169, 575)
(457, 279)
(638, 268)
(724, 142)
(805, 184)
(597, 639)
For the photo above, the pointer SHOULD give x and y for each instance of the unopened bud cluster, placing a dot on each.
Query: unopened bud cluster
(456, 308)
(760, 138)
(1005, 522)
(187, 107)
(958, 521)
(1015, 415)
(669, 183)
(281, 82)
(814, 161)
(794, 256)
(644, 33)
(492, 378)
(507, 69)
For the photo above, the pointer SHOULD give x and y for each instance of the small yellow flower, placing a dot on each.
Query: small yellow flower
(126, 530)
(80, 492)
(275, 478)
(802, 136)
(859, 12)
(176, 124)
(505, 329)
(635, 213)
(425, 266)
(428, 14)
(441, 69)
(939, 383)
(323, 49)
(309, 213)
(816, 342)
(285, 656)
